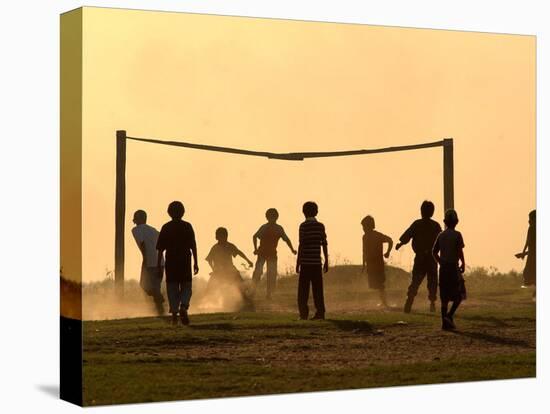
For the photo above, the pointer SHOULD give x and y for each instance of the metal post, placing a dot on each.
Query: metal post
(120, 210)
(448, 174)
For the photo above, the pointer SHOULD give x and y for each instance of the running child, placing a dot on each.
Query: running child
(423, 233)
(269, 235)
(224, 273)
(150, 279)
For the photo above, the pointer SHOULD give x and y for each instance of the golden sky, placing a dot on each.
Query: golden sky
(280, 86)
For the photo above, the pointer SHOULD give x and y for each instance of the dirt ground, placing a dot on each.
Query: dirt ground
(270, 351)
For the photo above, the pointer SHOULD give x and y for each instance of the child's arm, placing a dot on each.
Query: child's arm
(194, 252)
(159, 262)
(161, 247)
(462, 266)
(287, 241)
(239, 253)
(325, 254)
(299, 256)
(210, 259)
(140, 245)
(524, 252)
(435, 251)
(210, 262)
(255, 238)
(324, 244)
(389, 241)
(405, 237)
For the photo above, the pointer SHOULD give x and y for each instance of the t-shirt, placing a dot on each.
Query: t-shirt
(177, 238)
(373, 250)
(312, 237)
(221, 255)
(449, 242)
(423, 233)
(269, 235)
(143, 233)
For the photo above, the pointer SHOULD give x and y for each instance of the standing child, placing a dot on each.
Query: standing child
(449, 254)
(530, 250)
(373, 259)
(177, 238)
(224, 273)
(269, 235)
(308, 262)
(151, 275)
(423, 233)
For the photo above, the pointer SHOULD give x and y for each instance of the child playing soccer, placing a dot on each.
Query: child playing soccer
(423, 233)
(449, 254)
(269, 235)
(220, 258)
(530, 250)
(146, 238)
(308, 262)
(373, 259)
(177, 238)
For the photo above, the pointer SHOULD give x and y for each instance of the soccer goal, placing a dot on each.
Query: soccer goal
(120, 195)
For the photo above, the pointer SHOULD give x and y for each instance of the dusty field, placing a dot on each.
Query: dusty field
(269, 351)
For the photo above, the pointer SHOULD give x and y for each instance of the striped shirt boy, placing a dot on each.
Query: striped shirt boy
(312, 237)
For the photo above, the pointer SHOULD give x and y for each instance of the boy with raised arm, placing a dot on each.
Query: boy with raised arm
(423, 233)
(269, 235)
(308, 264)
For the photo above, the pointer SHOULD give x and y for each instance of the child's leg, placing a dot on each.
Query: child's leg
(303, 292)
(172, 290)
(454, 307)
(258, 269)
(318, 293)
(271, 275)
(432, 281)
(444, 308)
(186, 292)
(418, 274)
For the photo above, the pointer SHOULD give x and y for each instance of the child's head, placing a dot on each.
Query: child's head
(310, 209)
(272, 215)
(427, 209)
(176, 210)
(221, 234)
(451, 218)
(368, 223)
(140, 217)
(533, 217)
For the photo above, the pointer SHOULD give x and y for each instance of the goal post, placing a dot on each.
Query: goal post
(120, 181)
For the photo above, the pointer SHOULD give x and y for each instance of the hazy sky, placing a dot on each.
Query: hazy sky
(278, 85)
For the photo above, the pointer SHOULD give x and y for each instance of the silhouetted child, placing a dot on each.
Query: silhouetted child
(308, 263)
(177, 238)
(449, 254)
(220, 258)
(530, 250)
(151, 275)
(373, 258)
(423, 233)
(269, 235)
